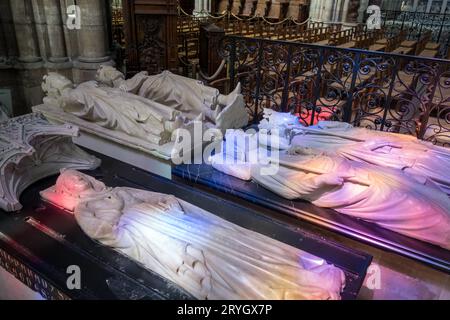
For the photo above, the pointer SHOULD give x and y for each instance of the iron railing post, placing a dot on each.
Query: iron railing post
(232, 63)
(317, 84)
(258, 78)
(403, 21)
(285, 97)
(429, 104)
(387, 104)
(347, 116)
(440, 29)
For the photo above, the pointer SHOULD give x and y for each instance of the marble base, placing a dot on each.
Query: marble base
(134, 157)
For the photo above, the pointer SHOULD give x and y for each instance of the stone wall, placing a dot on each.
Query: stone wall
(38, 36)
(347, 11)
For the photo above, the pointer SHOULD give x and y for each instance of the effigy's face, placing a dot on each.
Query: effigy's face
(54, 84)
(107, 74)
(73, 184)
(71, 188)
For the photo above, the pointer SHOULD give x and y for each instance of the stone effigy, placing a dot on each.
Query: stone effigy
(148, 115)
(425, 162)
(113, 109)
(31, 149)
(385, 196)
(209, 257)
(419, 159)
(189, 96)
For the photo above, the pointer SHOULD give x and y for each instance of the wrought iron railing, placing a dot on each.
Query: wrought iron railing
(416, 23)
(377, 90)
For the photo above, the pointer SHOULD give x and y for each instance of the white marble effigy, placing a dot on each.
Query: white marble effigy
(189, 96)
(208, 256)
(384, 195)
(143, 114)
(423, 161)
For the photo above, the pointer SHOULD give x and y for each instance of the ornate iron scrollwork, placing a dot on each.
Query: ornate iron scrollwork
(380, 91)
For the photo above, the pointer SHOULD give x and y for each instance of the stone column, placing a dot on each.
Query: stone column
(70, 35)
(428, 9)
(337, 10)
(22, 13)
(92, 35)
(444, 6)
(319, 11)
(57, 45)
(202, 6)
(8, 33)
(415, 5)
(92, 40)
(362, 9)
(328, 11)
(40, 27)
(344, 11)
(313, 9)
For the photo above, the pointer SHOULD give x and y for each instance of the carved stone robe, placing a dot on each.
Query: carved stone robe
(191, 97)
(421, 160)
(209, 257)
(385, 196)
(114, 109)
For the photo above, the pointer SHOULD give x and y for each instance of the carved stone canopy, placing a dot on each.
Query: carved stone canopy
(31, 149)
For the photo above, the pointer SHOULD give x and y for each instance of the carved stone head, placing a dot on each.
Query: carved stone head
(108, 74)
(54, 84)
(71, 188)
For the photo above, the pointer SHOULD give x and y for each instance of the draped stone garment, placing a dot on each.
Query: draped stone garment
(117, 110)
(181, 93)
(419, 159)
(191, 97)
(384, 196)
(209, 257)
(380, 195)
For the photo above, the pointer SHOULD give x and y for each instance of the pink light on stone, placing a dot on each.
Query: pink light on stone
(62, 200)
(71, 189)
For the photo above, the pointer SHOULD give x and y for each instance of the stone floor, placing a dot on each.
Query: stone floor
(393, 277)
(386, 281)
